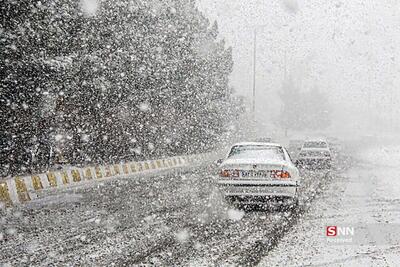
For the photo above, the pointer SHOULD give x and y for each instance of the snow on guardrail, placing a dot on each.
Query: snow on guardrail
(21, 189)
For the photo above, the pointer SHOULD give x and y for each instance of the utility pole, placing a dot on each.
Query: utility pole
(254, 73)
(285, 68)
(284, 84)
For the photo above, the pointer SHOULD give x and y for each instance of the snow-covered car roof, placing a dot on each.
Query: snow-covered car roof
(320, 139)
(256, 144)
(315, 149)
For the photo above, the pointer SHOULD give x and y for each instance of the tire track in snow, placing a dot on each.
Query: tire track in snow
(33, 231)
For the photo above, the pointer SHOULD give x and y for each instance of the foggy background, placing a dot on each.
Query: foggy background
(346, 49)
(327, 68)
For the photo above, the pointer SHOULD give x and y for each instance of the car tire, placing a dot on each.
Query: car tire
(288, 205)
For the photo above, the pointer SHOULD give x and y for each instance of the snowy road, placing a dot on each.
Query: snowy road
(170, 218)
(365, 198)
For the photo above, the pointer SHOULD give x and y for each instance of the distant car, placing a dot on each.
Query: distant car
(315, 154)
(256, 173)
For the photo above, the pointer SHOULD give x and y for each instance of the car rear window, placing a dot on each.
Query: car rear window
(315, 144)
(257, 152)
(314, 154)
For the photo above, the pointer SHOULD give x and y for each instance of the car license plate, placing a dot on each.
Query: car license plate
(254, 173)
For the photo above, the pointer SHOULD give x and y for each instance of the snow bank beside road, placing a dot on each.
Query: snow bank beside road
(386, 156)
(384, 162)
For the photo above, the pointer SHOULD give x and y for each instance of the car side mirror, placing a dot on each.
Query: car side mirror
(219, 161)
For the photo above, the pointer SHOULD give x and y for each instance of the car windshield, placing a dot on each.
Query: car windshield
(256, 152)
(315, 144)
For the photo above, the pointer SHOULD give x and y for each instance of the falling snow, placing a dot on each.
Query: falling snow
(198, 115)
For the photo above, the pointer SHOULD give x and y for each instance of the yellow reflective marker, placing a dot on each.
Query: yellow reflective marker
(51, 177)
(64, 176)
(108, 171)
(76, 176)
(140, 167)
(88, 174)
(4, 194)
(146, 166)
(116, 170)
(133, 167)
(125, 168)
(98, 172)
(22, 191)
(36, 182)
(158, 163)
(152, 164)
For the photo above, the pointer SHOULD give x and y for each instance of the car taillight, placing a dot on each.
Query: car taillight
(224, 173)
(284, 174)
(229, 173)
(280, 174)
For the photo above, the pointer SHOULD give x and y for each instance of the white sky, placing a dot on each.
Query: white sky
(348, 48)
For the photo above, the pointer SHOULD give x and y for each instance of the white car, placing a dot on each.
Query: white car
(315, 154)
(255, 173)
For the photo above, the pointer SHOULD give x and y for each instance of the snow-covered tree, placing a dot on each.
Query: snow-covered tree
(97, 83)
